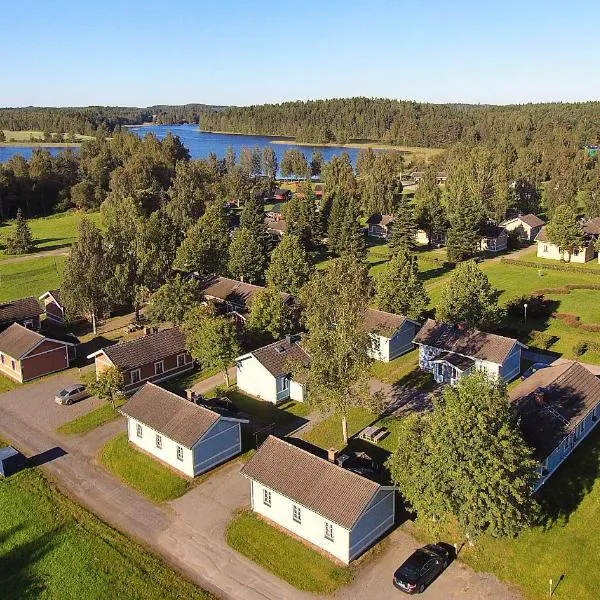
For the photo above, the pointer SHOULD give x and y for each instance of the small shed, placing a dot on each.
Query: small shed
(11, 461)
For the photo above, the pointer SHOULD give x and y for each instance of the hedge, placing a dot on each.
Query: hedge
(551, 266)
(583, 346)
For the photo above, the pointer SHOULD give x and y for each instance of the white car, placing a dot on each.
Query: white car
(72, 393)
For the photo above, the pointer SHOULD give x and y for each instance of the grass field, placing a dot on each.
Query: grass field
(30, 278)
(91, 420)
(286, 557)
(267, 412)
(54, 549)
(146, 475)
(24, 138)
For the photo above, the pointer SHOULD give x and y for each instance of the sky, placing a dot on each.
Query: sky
(225, 52)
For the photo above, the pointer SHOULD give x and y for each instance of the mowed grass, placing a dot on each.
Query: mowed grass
(143, 473)
(53, 232)
(286, 557)
(7, 384)
(566, 544)
(30, 277)
(267, 412)
(91, 420)
(52, 548)
(25, 136)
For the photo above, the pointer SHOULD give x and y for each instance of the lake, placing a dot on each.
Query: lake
(202, 143)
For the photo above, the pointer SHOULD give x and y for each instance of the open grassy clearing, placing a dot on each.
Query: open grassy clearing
(91, 420)
(143, 473)
(30, 277)
(286, 557)
(54, 549)
(53, 232)
(7, 384)
(23, 138)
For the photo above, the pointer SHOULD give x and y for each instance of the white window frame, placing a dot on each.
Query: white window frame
(181, 360)
(162, 367)
(267, 497)
(135, 372)
(329, 531)
(159, 441)
(138, 430)
(180, 453)
(296, 514)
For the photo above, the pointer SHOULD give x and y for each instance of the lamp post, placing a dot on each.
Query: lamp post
(525, 307)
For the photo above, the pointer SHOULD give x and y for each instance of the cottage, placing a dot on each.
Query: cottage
(339, 511)
(26, 354)
(451, 351)
(417, 176)
(53, 307)
(25, 311)
(11, 461)
(434, 239)
(157, 356)
(526, 226)
(380, 226)
(392, 334)
(558, 406)
(493, 238)
(276, 229)
(189, 438)
(266, 372)
(275, 213)
(546, 249)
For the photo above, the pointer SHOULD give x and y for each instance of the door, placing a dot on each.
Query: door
(283, 388)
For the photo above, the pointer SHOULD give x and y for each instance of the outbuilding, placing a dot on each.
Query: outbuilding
(11, 461)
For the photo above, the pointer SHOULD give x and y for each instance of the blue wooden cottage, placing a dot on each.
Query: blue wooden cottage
(11, 461)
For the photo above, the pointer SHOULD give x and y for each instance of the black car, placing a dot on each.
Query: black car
(421, 568)
(222, 404)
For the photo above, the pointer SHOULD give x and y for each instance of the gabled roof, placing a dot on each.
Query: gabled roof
(491, 230)
(147, 349)
(472, 343)
(384, 321)
(171, 415)
(592, 227)
(278, 357)
(16, 341)
(329, 490)
(279, 226)
(24, 308)
(531, 220)
(55, 294)
(552, 402)
(379, 219)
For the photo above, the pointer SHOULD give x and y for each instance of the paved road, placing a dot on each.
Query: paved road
(190, 531)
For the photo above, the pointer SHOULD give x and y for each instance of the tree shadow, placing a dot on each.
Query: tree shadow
(91, 346)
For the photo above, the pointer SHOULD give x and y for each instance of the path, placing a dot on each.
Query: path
(40, 254)
(210, 383)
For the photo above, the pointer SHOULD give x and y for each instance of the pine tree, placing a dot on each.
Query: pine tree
(270, 314)
(404, 230)
(289, 269)
(464, 235)
(430, 213)
(400, 289)
(351, 239)
(564, 230)
(21, 240)
(247, 258)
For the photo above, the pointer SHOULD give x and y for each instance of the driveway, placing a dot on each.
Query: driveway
(189, 533)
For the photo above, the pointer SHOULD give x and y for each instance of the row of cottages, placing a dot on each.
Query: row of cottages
(156, 356)
(558, 407)
(339, 511)
(26, 354)
(189, 438)
(417, 176)
(591, 233)
(526, 227)
(451, 351)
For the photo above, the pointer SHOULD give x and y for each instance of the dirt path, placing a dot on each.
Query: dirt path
(40, 254)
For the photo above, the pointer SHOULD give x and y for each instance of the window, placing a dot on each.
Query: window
(181, 360)
(158, 440)
(297, 515)
(328, 531)
(266, 497)
(2, 358)
(138, 430)
(159, 367)
(28, 324)
(136, 375)
(575, 251)
(545, 249)
(179, 453)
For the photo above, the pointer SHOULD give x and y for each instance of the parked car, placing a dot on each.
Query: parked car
(532, 369)
(421, 568)
(72, 393)
(222, 404)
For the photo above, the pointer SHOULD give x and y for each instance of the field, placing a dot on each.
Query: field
(16, 138)
(54, 549)
(30, 277)
(90, 420)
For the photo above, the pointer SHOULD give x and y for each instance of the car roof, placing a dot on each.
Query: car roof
(418, 558)
(70, 388)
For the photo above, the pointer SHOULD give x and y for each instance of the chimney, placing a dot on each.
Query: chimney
(190, 395)
(289, 338)
(539, 396)
(150, 330)
(332, 455)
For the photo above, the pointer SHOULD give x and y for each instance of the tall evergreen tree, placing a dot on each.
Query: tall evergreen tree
(302, 217)
(404, 230)
(564, 230)
(269, 163)
(247, 257)
(21, 240)
(289, 269)
(430, 213)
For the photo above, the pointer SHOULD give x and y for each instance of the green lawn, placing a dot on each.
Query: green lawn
(52, 548)
(267, 412)
(30, 278)
(6, 384)
(55, 231)
(403, 371)
(143, 473)
(91, 420)
(286, 557)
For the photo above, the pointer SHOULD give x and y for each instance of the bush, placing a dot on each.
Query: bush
(568, 318)
(550, 266)
(539, 339)
(590, 327)
(582, 347)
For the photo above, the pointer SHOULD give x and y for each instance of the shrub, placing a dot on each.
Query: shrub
(579, 348)
(539, 339)
(590, 327)
(550, 266)
(568, 318)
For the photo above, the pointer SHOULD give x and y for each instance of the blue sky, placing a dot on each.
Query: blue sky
(75, 53)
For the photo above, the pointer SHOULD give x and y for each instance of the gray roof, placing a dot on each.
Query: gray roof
(531, 220)
(279, 357)
(331, 491)
(147, 349)
(24, 308)
(565, 393)
(379, 219)
(16, 340)
(471, 343)
(171, 415)
(384, 321)
(462, 363)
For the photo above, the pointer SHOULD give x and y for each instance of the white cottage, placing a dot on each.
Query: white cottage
(266, 372)
(391, 334)
(189, 438)
(558, 407)
(526, 226)
(451, 351)
(337, 510)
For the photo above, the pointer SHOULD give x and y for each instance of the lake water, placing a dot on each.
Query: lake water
(202, 143)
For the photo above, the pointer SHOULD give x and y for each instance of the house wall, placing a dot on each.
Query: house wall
(512, 365)
(388, 348)
(254, 379)
(168, 452)
(221, 442)
(29, 322)
(373, 523)
(48, 357)
(312, 527)
(524, 231)
(297, 391)
(496, 244)
(551, 252)
(148, 373)
(568, 445)
(6, 368)
(53, 311)
(378, 231)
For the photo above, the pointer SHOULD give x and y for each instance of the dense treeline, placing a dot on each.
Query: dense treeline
(87, 120)
(409, 123)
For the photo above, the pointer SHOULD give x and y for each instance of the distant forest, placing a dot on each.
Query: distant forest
(410, 123)
(87, 120)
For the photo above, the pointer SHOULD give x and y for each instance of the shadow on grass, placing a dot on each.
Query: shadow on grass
(90, 347)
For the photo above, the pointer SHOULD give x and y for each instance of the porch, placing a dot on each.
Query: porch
(449, 367)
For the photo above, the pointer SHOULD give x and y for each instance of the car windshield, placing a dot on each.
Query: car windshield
(409, 572)
(63, 393)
